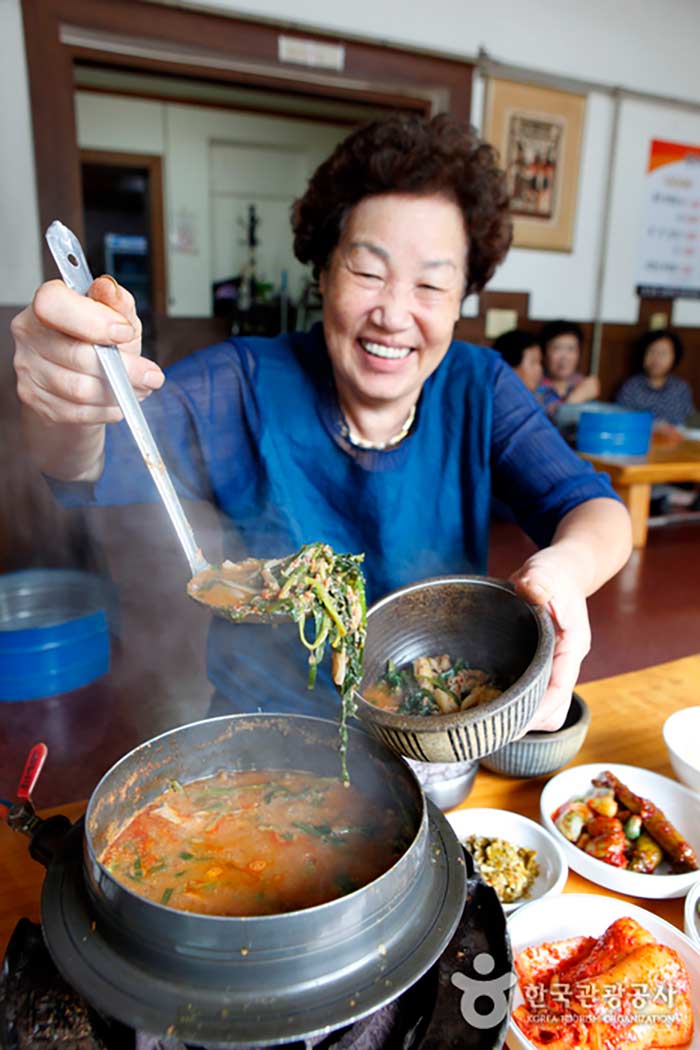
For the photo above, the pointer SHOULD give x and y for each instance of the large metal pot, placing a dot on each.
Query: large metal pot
(225, 981)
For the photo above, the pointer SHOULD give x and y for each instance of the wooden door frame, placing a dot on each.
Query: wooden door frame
(153, 163)
(372, 72)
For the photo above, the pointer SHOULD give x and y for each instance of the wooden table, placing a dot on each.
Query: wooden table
(628, 712)
(633, 476)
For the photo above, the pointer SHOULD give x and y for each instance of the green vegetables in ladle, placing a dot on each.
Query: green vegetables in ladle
(323, 592)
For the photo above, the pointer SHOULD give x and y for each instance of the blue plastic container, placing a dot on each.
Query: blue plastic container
(54, 632)
(614, 432)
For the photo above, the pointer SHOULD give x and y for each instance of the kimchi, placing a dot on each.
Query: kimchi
(620, 990)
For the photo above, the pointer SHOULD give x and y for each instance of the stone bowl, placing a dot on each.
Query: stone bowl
(541, 752)
(481, 620)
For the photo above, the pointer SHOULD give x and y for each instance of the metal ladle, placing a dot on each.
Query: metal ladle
(70, 260)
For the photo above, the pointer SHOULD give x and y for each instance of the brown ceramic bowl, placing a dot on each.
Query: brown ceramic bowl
(479, 619)
(542, 752)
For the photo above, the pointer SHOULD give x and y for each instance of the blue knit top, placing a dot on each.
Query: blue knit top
(254, 425)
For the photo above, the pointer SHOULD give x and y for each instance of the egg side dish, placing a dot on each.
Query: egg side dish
(620, 991)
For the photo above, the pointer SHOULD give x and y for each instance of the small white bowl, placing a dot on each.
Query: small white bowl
(681, 806)
(682, 735)
(573, 914)
(691, 916)
(501, 824)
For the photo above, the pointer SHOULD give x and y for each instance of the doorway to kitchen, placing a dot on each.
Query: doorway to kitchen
(179, 59)
(123, 214)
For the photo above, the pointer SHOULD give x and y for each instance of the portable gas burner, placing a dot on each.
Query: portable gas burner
(451, 1005)
(38, 1009)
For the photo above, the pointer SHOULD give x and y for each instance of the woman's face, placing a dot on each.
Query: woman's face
(561, 355)
(391, 295)
(658, 358)
(530, 367)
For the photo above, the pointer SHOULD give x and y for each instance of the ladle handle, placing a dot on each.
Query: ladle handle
(70, 260)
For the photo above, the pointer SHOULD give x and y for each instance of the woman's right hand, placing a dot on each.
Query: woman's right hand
(59, 376)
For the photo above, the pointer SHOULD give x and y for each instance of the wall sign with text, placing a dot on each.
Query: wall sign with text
(669, 265)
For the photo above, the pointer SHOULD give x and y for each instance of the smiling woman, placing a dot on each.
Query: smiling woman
(385, 223)
(393, 302)
(376, 432)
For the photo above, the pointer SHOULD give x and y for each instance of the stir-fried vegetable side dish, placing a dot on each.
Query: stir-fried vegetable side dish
(510, 870)
(315, 583)
(259, 842)
(614, 825)
(431, 685)
(622, 989)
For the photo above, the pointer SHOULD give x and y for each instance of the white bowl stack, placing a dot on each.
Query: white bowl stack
(682, 736)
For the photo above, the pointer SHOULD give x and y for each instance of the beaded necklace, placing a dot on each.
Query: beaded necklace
(360, 442)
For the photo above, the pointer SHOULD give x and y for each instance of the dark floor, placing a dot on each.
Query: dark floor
(647, 615)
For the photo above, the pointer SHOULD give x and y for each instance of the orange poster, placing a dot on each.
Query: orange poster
(670, 239)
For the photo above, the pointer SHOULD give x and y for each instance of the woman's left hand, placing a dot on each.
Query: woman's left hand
(546, 579)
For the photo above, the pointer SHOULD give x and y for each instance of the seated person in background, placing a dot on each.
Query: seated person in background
(563, 384)
(669, 398)
(523, 353)
(652, 388)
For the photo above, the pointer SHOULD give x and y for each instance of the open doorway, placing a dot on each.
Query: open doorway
(123, 213)
(232, 163)
(202, 59)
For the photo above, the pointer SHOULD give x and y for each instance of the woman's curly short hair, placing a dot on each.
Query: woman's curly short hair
(409, 154)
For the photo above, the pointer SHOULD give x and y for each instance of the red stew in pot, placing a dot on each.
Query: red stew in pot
(258, 842)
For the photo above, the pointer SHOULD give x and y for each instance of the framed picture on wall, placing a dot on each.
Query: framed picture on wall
(537, 132)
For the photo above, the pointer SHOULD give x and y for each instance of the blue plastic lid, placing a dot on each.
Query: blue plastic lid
(54, 637)
(46, 661)
(621, 433)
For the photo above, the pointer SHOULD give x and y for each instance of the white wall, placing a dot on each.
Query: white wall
(268, 176)
(20, 265)
(112, 122)
(638, 44)
(191, 130)
(643, 44)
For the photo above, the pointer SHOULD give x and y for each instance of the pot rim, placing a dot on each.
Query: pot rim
(250, 920)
